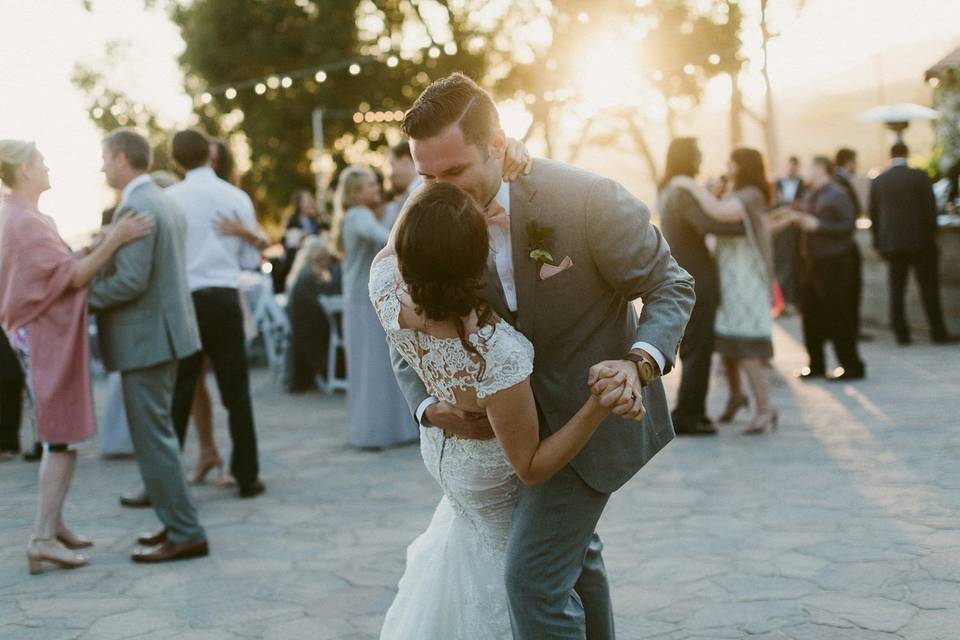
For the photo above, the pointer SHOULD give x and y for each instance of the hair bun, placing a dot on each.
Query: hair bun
(441, 300)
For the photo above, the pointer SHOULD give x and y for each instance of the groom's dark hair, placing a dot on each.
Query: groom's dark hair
(190, 149)
(455, 99)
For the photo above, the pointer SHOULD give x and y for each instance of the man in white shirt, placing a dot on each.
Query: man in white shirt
(404, 180)
(214, 260)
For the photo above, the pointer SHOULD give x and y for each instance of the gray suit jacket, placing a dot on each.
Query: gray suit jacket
(145, 314)
(584, 314)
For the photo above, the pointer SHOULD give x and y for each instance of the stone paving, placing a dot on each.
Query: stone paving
(844, 524)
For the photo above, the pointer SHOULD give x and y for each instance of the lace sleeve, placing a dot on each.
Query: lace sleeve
(509, 361)
(384, 289)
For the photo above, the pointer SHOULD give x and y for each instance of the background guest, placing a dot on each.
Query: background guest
(315, 273)
(829, 277)
(404, 179)
(845, 173)
(221, 159)
(685, 226)
(743, 324)
(904, 215)
(378, 411)
(43, 295)
(304, 221)
(786, 244)
(213, 265)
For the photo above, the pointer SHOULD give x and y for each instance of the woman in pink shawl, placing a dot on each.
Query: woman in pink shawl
(43, 310)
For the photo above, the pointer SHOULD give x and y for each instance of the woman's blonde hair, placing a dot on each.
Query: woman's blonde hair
(13, 155)
(308, 257)
(344, 198)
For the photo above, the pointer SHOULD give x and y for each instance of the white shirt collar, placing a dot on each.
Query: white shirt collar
(503, 196)
(898, 162)
(143, 178)
(200, 172)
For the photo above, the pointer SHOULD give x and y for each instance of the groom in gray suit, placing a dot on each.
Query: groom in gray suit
(146, 323)
(570, 251)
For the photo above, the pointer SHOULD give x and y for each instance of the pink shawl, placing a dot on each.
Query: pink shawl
(36, 269)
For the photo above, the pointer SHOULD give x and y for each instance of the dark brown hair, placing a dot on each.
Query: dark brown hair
(190, 149)
(683, 159)
(454, 99)
(132, 145)
(224, 164)
(442, 246)
(750, 172)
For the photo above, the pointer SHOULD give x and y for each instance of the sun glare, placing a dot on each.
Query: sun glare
(606, 77)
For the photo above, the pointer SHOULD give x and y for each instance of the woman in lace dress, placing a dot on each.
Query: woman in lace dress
(424, 286)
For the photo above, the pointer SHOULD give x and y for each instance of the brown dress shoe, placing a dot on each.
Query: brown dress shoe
(253, 490)
(136, 500)
(170, 551)
(153, 539)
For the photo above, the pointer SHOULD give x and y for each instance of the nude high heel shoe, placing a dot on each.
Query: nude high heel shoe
(209, 460)
(42, 550)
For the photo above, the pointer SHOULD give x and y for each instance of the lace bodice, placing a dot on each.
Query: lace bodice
(443, 364)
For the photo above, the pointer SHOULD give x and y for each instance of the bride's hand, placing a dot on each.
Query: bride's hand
(684, 182)
(608, 386)
(516, 160)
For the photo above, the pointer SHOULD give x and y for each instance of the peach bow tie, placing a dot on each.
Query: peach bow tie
(498, 216)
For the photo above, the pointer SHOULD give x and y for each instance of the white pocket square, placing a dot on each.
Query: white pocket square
(548, 270)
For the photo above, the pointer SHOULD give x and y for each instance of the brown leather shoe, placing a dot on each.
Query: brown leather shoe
(169, 551)
(153, 539)
(136, 500)
(253, 490)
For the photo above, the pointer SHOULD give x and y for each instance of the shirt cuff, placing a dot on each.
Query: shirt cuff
(655, 353)
(422, 409)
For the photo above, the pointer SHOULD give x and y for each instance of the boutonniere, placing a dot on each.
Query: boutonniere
(538, 241)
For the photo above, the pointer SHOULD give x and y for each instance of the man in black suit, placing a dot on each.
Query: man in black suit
(828, 281)
(786, 244)
(684, 225)
(904, 215)
(844, 170)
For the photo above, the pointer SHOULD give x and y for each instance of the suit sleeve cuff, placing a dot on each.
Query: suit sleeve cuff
(422, 409)
(655, 353)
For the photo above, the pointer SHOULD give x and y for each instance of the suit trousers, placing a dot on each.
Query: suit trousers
(147, 395)
(220, 319)
(926, 272)
(827, 288)
(696, 355)
(11, 412)
(786, 260)
(555, 577)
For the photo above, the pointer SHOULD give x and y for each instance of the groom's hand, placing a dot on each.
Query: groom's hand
(463, 424)
(629, 402)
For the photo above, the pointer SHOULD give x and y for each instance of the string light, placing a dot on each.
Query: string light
(392, 61)
(714, 58)
(273, 82)
(354, 69)
(287, 82)
(230, 93)
(434, 52)
(320, 76)
(260, 89)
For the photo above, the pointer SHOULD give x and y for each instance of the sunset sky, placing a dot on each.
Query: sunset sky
(833, 46)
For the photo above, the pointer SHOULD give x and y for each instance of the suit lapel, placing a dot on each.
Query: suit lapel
(492, 292)
(524, 269)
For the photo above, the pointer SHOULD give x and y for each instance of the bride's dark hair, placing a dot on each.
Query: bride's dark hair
(442, 246)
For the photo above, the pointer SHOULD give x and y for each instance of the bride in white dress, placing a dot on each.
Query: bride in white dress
(424, 287)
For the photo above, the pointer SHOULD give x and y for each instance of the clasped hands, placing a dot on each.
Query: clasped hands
(615, 384)
(788, 216)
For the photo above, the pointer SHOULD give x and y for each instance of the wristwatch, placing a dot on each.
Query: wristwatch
(646, 367)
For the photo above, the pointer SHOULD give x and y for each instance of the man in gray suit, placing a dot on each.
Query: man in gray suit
(146, 323)
(570, 251)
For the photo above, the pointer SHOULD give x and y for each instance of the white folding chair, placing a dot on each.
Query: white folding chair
(333, 308)
(274, 326)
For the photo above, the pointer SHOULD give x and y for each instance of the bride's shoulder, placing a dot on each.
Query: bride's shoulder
(508, 359)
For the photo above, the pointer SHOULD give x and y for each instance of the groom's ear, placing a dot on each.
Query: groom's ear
(498, 144)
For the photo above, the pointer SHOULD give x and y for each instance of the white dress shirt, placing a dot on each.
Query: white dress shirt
(501, 247)
(214, 259)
